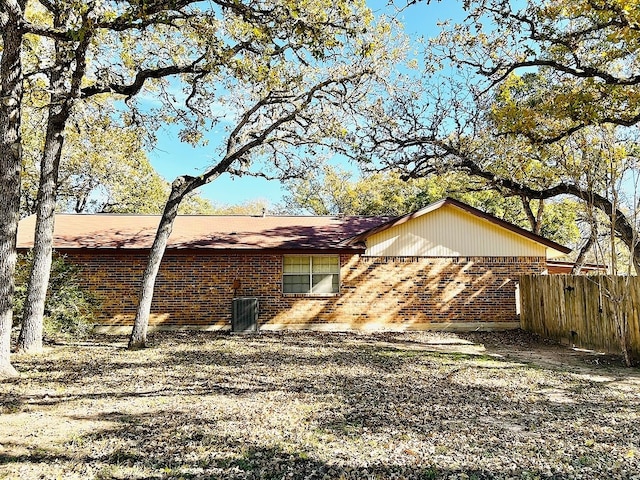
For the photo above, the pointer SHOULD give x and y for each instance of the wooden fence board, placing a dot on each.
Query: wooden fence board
(581, 309)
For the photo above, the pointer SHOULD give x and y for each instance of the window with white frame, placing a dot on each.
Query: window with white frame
(318, 274)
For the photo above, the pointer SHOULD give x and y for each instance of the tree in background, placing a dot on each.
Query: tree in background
(334, 191)
(249, 207)
(206, 49)
(103, 169)
(521, 88)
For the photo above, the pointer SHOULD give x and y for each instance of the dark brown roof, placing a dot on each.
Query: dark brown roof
(202, 231)
(565, 266)
(119, 231)
(361, 237)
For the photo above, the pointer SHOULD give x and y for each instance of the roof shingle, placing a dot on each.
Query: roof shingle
(119, 231)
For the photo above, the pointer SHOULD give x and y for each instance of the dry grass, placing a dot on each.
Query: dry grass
(312, 406)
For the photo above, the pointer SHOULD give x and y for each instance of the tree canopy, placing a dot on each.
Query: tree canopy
(539, 100)
(277, 76)
(103, 168)
(584, 55)
(333, 191)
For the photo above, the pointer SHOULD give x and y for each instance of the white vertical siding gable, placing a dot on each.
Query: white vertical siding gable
(449, 231)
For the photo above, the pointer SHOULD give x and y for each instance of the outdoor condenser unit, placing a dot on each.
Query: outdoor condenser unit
(244, 317)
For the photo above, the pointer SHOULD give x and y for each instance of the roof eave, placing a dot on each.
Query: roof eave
(212, 250)
(550, 244)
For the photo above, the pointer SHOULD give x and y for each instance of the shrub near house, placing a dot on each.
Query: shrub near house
(70, 308)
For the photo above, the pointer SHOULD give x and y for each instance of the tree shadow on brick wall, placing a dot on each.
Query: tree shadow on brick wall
(398, 294)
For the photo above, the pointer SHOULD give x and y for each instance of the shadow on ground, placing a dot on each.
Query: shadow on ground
(304, 405)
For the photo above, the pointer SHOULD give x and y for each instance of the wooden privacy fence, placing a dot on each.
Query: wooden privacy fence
(582, 309)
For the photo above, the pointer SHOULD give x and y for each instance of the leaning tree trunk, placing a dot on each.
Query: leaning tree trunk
(179, 189)
(579, 263)
(11, 76)
(30, 339)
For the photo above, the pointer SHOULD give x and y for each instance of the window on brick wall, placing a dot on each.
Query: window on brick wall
(318, 274)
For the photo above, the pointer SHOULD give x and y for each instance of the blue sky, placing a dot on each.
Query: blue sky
(172, 158)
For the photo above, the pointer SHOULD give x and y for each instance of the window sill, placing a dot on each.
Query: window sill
(311, 295)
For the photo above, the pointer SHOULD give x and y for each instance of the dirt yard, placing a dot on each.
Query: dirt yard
(321, 406)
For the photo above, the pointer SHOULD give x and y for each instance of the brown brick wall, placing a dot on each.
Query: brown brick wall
(196, 288)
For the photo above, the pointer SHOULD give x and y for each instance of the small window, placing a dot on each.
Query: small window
(318, 274)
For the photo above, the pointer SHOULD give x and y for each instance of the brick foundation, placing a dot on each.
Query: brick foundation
(195, 288)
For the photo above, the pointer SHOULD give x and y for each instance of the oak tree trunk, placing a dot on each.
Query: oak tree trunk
(535, 220)
(179, 189)
(30, 339)
(11, 78)
(62, 98)
(579, 263)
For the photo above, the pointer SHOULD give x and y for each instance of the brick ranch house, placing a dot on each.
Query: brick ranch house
(446, 266)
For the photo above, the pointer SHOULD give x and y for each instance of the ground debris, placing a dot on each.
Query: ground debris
(306, 405)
